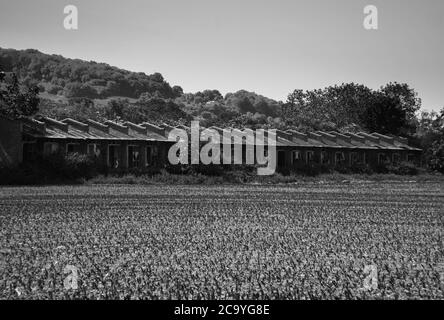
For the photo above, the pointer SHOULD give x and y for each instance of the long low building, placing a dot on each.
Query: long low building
(145, 145)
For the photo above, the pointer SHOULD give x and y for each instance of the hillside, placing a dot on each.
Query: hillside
(82, 89)
(78, 78)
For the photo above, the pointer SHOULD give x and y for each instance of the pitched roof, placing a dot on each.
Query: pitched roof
(45, 127)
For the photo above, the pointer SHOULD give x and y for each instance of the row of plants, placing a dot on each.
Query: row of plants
(311, 241)
(78, 168)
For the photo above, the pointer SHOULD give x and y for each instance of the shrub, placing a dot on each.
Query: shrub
(404, 168)
(18, 176)
(436, 156)
(212, 170)
(381, 168)
(55, 168)
(76, 89)
(41, 87)
(55, 89)
(177, 169)
(238, 176)
(79, 166)
(361, 168)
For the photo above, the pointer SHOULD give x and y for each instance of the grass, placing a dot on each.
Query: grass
(241, 178)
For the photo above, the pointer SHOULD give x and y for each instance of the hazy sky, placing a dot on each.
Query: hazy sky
(267, 46)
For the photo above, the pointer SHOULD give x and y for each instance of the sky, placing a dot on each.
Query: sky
(270, 47)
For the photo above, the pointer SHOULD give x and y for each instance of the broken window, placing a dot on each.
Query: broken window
(295, 156)
(133, 156)
(94, 149)
(309, 156)
(50, 148)
(72, 148)
(339, 157)
(114, 156)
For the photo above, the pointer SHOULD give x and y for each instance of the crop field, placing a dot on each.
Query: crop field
(304, 241)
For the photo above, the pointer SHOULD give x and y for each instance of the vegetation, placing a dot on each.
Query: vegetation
(77, 78)
(309, 241)
(430, 136)
(77, 168)
(390, 110)
(15, 101)
(52, 169)
(79, 89)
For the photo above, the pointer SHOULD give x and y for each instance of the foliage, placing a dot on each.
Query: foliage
(81, 78)
(430, 136)
(388, 110)
(55, 168)
(15, 101)
(404, 168)
(80, 90)
(436, 156)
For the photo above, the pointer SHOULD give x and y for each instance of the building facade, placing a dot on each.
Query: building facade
(143, 146)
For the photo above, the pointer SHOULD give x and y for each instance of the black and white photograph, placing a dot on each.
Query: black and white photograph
(220, 155)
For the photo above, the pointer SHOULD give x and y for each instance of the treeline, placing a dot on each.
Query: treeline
(80, 89)
(77, 78)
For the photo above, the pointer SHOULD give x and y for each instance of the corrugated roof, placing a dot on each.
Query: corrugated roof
(91, 130)
(44, 127)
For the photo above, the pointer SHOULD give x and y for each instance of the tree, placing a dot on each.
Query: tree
(384, 115)
(16, 102)
(435, 156)
(429, 128)
(408, 98)
(308, 110)
(244, 105)
(408, 103)
(430, 136)
(177, 91)
(388, 110)
(346, 103)
(77, 89)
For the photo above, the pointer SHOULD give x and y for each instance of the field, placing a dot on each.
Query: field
(304, 241)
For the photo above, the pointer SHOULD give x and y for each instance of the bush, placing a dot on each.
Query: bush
(55, 89)
(308, 170)
(404, 168)
(361, 168)
(56, 168)
(436, 156)
(342, 169)
(381, 168)
(77, 165)
(212, 170)
(18, 175)
(77, 89)
(97, 82)
(177, 169)
(41, 87)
